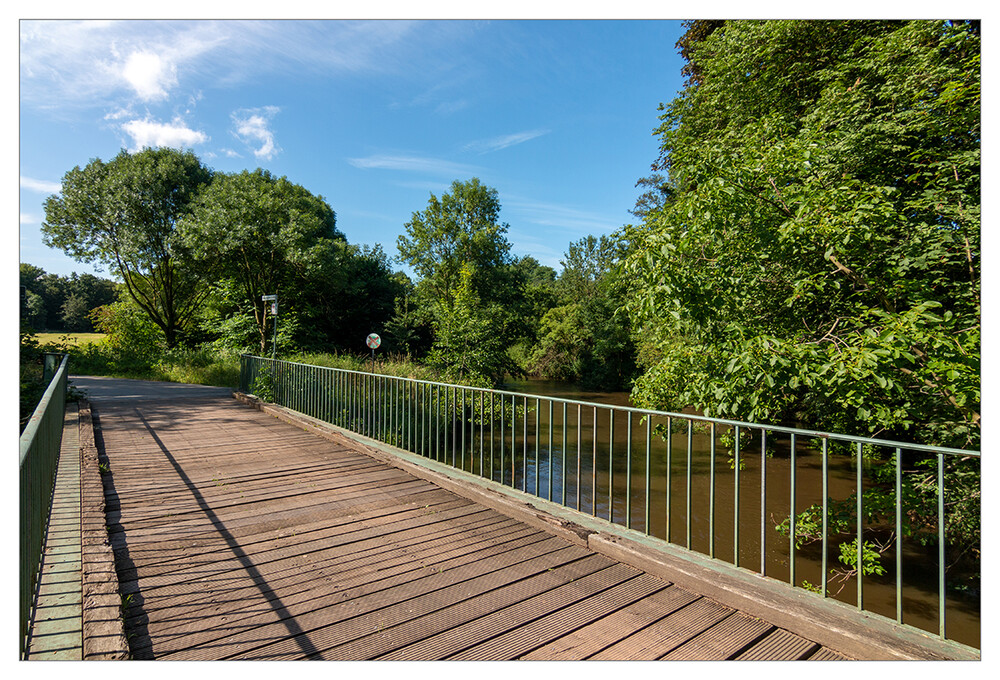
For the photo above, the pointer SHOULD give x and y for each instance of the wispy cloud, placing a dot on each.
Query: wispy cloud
(40, 185)
(503, 141)
(97, 63)
(253, 128)
(576, 221)
(150, 133)
(435, 166)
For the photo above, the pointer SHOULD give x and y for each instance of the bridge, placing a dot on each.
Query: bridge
(237, 528)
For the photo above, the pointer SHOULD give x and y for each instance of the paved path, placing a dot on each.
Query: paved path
(239, 536)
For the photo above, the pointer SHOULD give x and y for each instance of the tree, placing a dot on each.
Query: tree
(817, 259)
(460, 229)
(257, 234)
(123, 214)
(459, 249)
(816, 256)
(585, 338)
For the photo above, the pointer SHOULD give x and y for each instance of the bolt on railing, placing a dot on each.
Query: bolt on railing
(476, 430)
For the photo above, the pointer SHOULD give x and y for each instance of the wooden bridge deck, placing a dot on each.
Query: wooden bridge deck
(238, 536)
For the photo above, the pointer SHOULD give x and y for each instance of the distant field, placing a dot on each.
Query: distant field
(73, 339)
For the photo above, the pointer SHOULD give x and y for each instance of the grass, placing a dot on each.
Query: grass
(68, 339)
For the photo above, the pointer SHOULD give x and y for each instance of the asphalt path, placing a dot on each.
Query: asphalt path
(100, 388)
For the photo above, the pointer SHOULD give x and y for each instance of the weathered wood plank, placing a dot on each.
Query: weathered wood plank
(242, 537)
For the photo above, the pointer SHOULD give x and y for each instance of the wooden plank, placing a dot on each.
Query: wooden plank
(723, 640)
(515, 643)
(779, 645)
(826, 654)
(454, 641)
(277, 620)
(601, 634)
(655, 640)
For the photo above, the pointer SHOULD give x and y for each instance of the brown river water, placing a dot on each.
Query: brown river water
(588, 477)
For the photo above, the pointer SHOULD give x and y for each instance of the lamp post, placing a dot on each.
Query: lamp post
(273, 299)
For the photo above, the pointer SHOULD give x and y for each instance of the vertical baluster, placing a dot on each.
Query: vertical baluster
(492, 434)
(826, 510)
(711, 492)
(690, 447)
(593, 469)
(524, 446)
(736, 500)
(670, 451)
(550, 451)
(763, 502)
(563, 461)
(579, 452)
(899, 536)
(942, 593)
(791, 517)
(628, 469)
(611, 466)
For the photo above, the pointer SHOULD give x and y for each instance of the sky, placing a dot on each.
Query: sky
(374, 116)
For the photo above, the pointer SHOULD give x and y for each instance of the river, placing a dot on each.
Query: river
(593, 474)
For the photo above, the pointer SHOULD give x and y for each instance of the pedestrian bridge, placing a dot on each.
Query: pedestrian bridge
(243, 529)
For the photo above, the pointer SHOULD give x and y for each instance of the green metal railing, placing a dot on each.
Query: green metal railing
(39, 446)
(610, 461)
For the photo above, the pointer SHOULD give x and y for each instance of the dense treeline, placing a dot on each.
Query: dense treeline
(196, 250)
(62, 303)
(807, 250)
(813, 251)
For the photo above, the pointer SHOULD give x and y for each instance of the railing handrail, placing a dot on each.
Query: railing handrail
(31, 429)
(784, 429)
(407, 412)
(39, 446)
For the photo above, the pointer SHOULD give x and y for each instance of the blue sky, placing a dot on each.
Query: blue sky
(557, 115)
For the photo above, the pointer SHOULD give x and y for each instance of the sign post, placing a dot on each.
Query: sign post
(373, 341)
(273, 299)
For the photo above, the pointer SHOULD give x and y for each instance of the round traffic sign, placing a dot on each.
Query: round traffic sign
(373, 340)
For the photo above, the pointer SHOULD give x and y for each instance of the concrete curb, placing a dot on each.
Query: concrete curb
(828, 622)
(103, 628)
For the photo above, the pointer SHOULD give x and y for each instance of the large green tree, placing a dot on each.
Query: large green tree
(816, 254)
(255, 234)
(458, 248)
(123, 214)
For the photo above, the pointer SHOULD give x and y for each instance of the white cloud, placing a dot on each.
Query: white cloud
(40, 185)
(93, 63)
(412, 164)
(149, 75)
(150, 133)
(504, 141)
(252, 127)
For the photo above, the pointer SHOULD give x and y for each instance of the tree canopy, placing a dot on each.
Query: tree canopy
(816, 255)
(123, 214)
(256, 234)
(459, 249)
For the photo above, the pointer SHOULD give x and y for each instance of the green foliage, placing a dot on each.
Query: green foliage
(123, 214)
(255, 234)
(470, 347)
(53, 302)
(817, 259)
(585, 339)
(472, 296)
